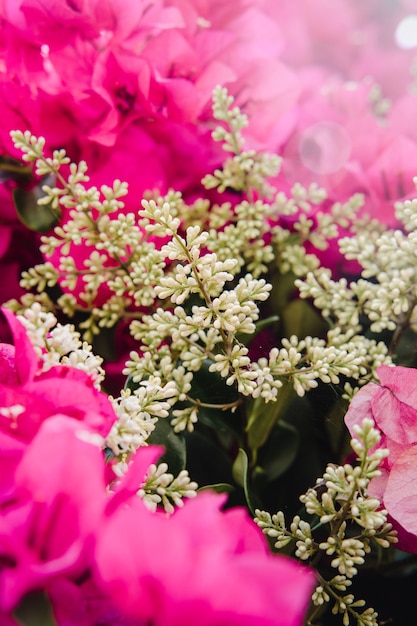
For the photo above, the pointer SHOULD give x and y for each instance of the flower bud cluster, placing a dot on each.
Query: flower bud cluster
(386, 294)
(160, 487)
(137, 412)
(354, 522)
(59, 344)
(246, 169)
(203, 307)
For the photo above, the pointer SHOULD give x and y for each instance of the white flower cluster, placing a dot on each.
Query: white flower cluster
(356, 522)
(309, 225)
(246, 169)
(59, 344)
(160, 487)
(116, 252)
(137, 412)
(203, 288)
(386, 294)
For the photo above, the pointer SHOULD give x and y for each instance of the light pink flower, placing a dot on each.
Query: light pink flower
(341, 144)
(392, 405)
(353, 39)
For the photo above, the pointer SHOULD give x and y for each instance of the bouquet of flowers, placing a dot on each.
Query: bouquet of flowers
(208, 383)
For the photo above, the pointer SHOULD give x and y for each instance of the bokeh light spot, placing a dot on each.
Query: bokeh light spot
(406, 33)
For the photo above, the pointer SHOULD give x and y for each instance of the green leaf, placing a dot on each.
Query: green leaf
(175, 447)
(283, 290)
(218, 488)
(209, 462)
(35, 610)
(129, 384)
(241, 476)
(405, 353)
(240, 468)
(12, 169)
(39, 218)
(280, 450)
(210, 388)
(300, 319)
(264, 415)
(265, 323)
(247, 340)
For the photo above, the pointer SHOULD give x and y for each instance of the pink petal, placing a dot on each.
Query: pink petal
(130, 482)
(8, 374)
(400, 498)
(395, 404)
(26, 359)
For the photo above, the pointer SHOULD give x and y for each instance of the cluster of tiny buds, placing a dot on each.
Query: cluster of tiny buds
(355, 523)
(137, 413)
(386, 292)
(59, 344)
(162, 488)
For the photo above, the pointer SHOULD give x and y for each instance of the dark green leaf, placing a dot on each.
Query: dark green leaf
(209, 388)
(208, 461)
(280, 450)
(39, 218)
(265, 323)
(300, 319)
(263, 416)
(175, 448)
(283, 290)
(35, 610)
(129, 384)
(405, 353)
(241, 476)
(12, 169)
(218, 488)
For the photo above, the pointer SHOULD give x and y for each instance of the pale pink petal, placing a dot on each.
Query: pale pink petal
(394, 405)
(400, 497)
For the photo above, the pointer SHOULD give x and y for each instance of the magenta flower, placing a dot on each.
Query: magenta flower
(199, 565)
(392, 405)
(135, 61)
(29, 397)
(84, 604)
(49, 518)
(52, 486)
(60, 390)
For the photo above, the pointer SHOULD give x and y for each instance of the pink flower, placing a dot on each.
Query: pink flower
(131, 60)
(84, 604)
(392, 405)
(340, 144)
(60, 390)
(199, 565)
(29, 397)
(356, 42)
(49, 519)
